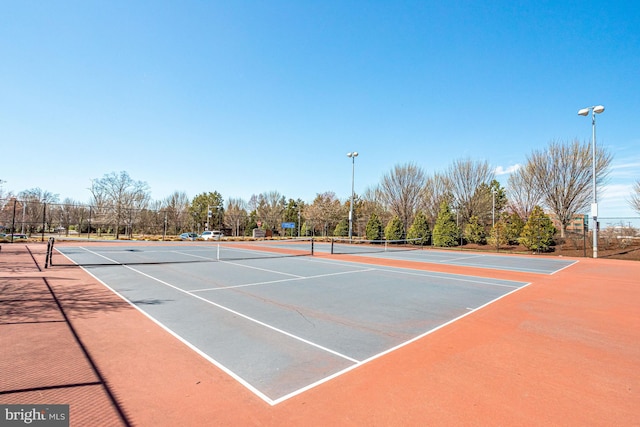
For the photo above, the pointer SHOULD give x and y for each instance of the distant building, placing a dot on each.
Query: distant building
(576, 225)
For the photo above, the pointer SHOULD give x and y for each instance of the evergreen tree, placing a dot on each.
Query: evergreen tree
(394, 229)
(513, 228)
(446, 231)
(498, 236)
(419, 230)
(474, 231)
(307, 230)
(374, 228)
(538, 232)
(342, 228)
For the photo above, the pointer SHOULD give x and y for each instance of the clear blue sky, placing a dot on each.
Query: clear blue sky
(245, 97)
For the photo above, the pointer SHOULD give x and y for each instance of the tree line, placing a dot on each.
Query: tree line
(464, 202)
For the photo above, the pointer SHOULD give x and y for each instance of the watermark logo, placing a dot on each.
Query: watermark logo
(34, 415)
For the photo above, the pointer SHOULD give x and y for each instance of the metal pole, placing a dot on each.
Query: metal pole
(353, 174)
(594, 208)
(353, 156)
(13, 219)
(44, 220)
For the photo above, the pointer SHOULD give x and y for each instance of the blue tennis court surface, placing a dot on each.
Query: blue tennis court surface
(283, 325)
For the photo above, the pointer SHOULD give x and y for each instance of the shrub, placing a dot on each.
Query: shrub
(474, 231)
(419, 230)
(538, 232)
(342, 228)
(498, 236)
(446, 231)
(374, 228)
(394, 229)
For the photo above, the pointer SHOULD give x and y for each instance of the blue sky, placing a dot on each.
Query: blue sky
(246, 97)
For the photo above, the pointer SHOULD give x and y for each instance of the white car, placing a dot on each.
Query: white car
(211, 234)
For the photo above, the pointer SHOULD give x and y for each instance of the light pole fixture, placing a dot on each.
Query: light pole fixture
(352, 155)
(597, 109)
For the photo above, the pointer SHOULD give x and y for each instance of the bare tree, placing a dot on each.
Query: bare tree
(271, 208)
(435, 192)
(67, 214)
(176, 209)
(635, 197)
(236, 215)
(522, 192)
(121, 196)
(401, 190)
(563, 174)
(326, 210)
(372, 203)
(465, 178)
(34, 211)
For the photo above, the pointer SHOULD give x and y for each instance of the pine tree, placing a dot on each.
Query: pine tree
(374, 228)
(342, 229)
(394, 229)
(446, 231)
(474, 231)
(513, 228)
(498, 236)
(538, 232)
(419, 230)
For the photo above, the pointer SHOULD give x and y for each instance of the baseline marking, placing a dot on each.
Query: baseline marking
(244, 316)
(298, 278)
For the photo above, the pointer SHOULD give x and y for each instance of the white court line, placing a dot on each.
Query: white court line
(390, 350)
(262, 269)
(244, 316)
(429, 258)
(503, 268)
(299, 278)
(566, 266)
(416, 271)
(301, 390)
(462, 258)
(450, 276)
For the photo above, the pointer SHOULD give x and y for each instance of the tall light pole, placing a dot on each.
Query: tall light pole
(353, 156)
(597, 109)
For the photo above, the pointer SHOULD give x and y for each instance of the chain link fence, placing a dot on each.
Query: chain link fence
(21, 219)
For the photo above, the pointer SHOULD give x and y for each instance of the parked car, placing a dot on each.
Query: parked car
(212, 234)
(189, 236)
(16, 236)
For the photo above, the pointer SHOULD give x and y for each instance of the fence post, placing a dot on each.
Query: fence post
(44, 220)
(13, 219)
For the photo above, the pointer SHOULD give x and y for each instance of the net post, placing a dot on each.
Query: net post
(46, 256)
(312, 246)
(332, 240)
(48, 260)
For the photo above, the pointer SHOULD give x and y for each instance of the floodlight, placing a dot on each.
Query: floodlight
(596, 109)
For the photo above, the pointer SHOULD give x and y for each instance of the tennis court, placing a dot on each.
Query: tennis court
(447, 257)
(279, 323)
(323, 340)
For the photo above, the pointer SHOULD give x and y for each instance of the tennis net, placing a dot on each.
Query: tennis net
(130, 253)
(361, 246)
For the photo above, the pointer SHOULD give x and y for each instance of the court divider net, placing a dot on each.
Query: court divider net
(140, 253)
(359, 246)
